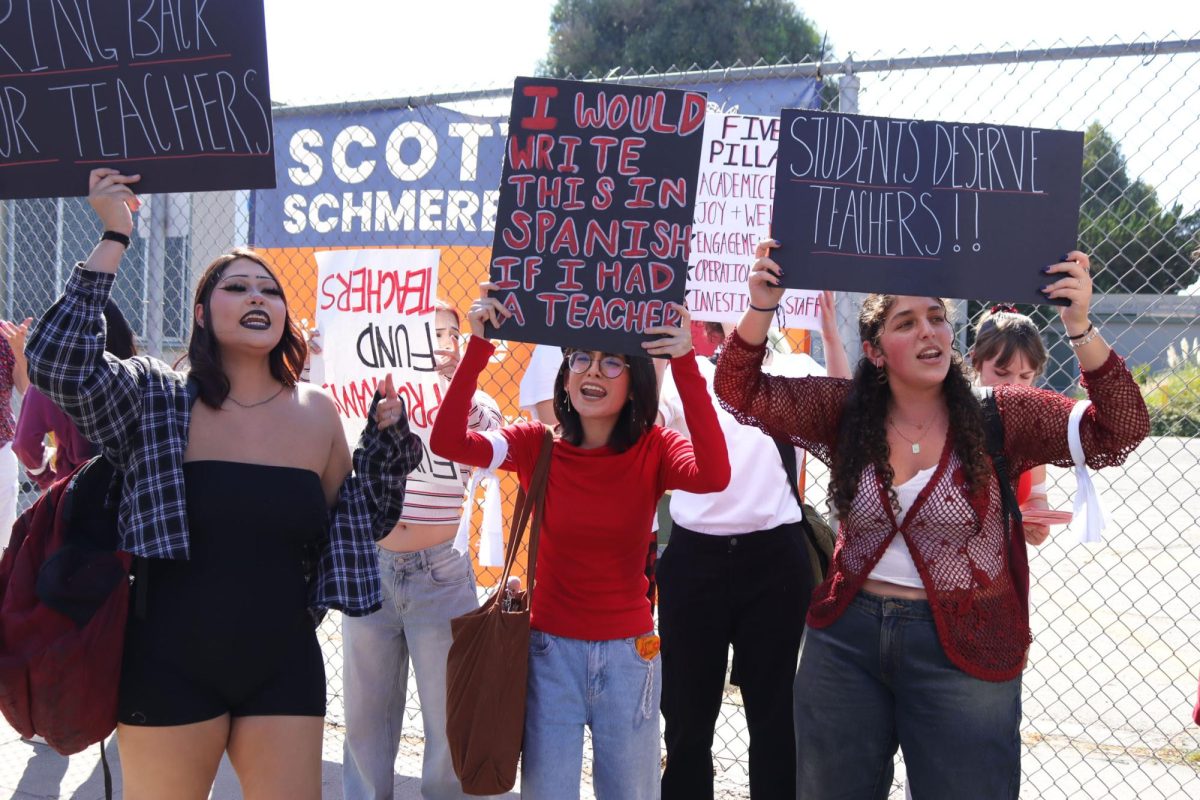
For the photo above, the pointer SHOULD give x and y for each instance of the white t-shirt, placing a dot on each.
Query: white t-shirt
(537, 384)
(758, 497)
(896, 565)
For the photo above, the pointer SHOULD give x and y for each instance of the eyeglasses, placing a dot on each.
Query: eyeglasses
(580, 361)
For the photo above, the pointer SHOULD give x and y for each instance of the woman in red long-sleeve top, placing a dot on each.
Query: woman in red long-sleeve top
(593, 658)
(918, 635)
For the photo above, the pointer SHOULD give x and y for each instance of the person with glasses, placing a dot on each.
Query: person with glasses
(593, 656)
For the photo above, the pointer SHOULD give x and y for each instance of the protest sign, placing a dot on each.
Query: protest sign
(595, 213)
(376, 317)
(175, 90)
(733, 212)
(963, 210)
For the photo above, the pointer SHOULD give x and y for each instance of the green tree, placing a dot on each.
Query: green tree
(1142, 247)
(596, 36)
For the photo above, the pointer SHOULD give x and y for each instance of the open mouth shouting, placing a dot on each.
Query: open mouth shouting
(930, 355)
(256, 320)
(590, 390)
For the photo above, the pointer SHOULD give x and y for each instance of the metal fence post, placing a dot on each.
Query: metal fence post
(848, 303)
(156, 272)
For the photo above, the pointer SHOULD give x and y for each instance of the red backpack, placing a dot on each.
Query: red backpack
(64, 601)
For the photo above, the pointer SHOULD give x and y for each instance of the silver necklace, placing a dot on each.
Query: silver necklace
(240, 404)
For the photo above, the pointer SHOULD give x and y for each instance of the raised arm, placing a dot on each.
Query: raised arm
(65, 349)
(701, 465)
(1036, 422)
(452, 436)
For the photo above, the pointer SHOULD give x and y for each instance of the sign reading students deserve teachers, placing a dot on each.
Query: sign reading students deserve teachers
(972, 211)
(595, 214)
(175, 90)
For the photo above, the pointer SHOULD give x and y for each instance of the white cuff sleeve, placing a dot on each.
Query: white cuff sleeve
(1089, 519)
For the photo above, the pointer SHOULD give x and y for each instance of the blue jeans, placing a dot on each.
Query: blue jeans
(611, 689)
(878, 678)
(421, 592)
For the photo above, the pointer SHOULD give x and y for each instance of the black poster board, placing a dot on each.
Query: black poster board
(595, 214)
(174, 90)
(974, 211)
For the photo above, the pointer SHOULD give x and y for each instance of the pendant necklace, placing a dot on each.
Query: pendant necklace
(916, 443)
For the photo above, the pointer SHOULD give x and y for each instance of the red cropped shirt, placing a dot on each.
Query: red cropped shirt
(591, 581)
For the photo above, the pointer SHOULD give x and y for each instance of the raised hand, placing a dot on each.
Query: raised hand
(675, 341)
(1074, 282)
(765, 289)
(113, 200)
(15, 334)
(390, 409)
(486, 309)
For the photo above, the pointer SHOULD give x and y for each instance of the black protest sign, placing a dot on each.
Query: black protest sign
(974, 211)
(595, 214)
(173, 90)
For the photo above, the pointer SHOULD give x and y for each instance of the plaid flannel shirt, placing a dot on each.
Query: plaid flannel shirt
(138, 411)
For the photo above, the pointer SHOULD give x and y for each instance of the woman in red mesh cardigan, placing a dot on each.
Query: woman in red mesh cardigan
(919, 633)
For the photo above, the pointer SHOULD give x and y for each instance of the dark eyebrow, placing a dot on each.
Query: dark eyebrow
(252, 277)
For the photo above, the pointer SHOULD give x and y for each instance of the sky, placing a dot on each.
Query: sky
(322, 51)
(325, 51)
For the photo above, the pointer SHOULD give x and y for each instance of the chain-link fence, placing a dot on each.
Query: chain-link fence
(1113, 670)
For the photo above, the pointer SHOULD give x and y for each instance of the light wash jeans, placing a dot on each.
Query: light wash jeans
(611, 689)
(421, 592)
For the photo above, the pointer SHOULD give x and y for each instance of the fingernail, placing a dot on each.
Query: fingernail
(1046, 270)
(1065, 257)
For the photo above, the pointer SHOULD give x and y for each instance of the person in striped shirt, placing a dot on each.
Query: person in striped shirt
(425, 583)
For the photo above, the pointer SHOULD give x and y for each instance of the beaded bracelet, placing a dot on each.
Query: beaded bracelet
(1087, 337)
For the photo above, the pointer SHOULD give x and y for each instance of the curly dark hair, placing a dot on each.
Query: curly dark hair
(286, 359)
(637, 415)
(862, 434)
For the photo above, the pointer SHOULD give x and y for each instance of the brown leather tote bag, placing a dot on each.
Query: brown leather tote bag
(488, 663)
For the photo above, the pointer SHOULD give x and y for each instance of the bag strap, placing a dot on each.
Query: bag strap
(993, 425)
(529, 505)
(787, 454)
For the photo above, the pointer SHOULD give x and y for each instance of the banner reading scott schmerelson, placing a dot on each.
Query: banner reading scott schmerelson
(424, 176)
(595, 212)
(963, 210)
(733, 213)
(376, 317)
(175, 92)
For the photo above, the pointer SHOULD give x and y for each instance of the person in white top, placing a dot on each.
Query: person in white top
(425, 583)
(735, 572)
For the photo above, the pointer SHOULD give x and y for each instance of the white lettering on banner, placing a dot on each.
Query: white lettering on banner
(733, 212)
(376, 316)
(384, 212)
(410, 151)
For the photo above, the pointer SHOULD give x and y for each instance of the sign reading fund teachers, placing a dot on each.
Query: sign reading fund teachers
(376, 316)
(175, 90)
(595, 212)
(972, 211)
(733, 213)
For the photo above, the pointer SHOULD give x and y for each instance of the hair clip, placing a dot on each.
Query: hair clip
(1004, 308)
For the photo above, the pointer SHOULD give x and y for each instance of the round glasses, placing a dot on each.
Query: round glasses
(580, 361)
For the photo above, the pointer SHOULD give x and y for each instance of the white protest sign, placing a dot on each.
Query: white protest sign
(376, 316)
(733, 212)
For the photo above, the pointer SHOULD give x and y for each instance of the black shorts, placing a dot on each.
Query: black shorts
(160, 688)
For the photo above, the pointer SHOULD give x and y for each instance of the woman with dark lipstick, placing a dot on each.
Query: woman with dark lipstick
(238, 494)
